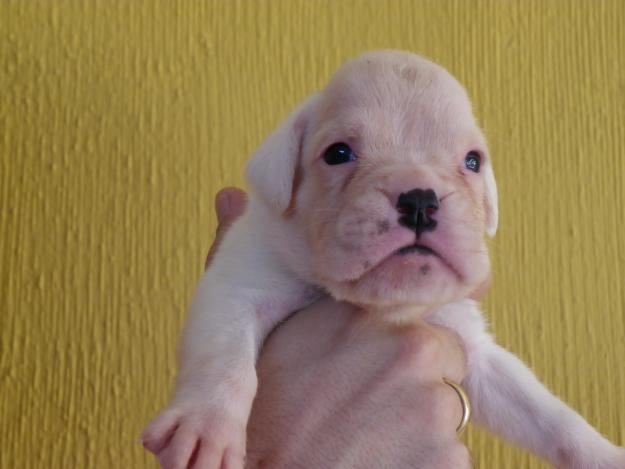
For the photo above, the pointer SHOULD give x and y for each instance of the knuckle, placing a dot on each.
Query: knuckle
(420, 348)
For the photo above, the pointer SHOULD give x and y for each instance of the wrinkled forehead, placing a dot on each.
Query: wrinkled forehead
(386, 100)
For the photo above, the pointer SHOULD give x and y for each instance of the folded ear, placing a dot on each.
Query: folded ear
(273, 168)
(490, 200)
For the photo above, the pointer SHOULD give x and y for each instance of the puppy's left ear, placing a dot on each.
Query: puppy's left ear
(490, 200)
(273, 169)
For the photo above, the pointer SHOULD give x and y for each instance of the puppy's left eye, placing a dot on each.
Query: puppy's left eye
(338, 153)
(472, 161)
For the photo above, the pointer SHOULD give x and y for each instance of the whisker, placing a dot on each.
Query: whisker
(446, 195)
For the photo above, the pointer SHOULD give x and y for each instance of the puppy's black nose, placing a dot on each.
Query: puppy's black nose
(416, 208)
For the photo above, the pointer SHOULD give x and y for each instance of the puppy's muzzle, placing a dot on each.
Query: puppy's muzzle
(416, 208)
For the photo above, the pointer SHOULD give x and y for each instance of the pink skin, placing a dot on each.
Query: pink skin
(374, 395)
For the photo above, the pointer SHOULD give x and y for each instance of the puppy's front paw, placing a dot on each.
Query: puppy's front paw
(606, 456)
(615, 461)
(196, 437)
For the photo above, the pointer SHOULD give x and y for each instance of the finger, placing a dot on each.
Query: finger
(158, 433)
(180, 449)
(440, 409)
(207, 457)
(481, 290)
(229, 204)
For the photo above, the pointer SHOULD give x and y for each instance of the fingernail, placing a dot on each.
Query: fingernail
(222, 205)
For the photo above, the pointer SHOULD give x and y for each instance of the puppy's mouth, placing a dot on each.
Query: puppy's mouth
(416, 248)
(422, 249)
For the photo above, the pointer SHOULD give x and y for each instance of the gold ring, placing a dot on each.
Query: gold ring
(466, 404)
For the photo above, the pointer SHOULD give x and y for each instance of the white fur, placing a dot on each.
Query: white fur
(263, 271)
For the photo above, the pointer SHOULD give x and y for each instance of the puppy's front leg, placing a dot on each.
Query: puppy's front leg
(215, 387)
(238, 300)
(510, 401)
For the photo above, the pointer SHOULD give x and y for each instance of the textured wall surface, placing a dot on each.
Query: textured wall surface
(119, 120)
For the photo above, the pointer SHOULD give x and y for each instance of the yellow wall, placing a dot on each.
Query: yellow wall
(119, 120)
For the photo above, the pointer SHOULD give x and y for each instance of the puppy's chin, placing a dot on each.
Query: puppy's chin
(414, 279)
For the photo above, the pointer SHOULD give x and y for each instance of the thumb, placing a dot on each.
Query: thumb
(230, 204)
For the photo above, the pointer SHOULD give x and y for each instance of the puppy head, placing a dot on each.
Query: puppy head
(388, 177)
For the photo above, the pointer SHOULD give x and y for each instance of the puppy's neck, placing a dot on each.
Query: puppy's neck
(408, 314)
(397, 314)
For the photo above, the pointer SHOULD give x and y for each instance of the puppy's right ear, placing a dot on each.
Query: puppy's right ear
(272, 170)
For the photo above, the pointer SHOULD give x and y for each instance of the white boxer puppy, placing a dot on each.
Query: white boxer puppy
(377, 190)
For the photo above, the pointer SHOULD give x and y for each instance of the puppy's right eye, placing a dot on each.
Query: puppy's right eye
(338, 153)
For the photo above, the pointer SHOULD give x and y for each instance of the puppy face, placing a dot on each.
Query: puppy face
(389, 180)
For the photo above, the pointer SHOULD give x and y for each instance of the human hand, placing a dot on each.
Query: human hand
(339, 389)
